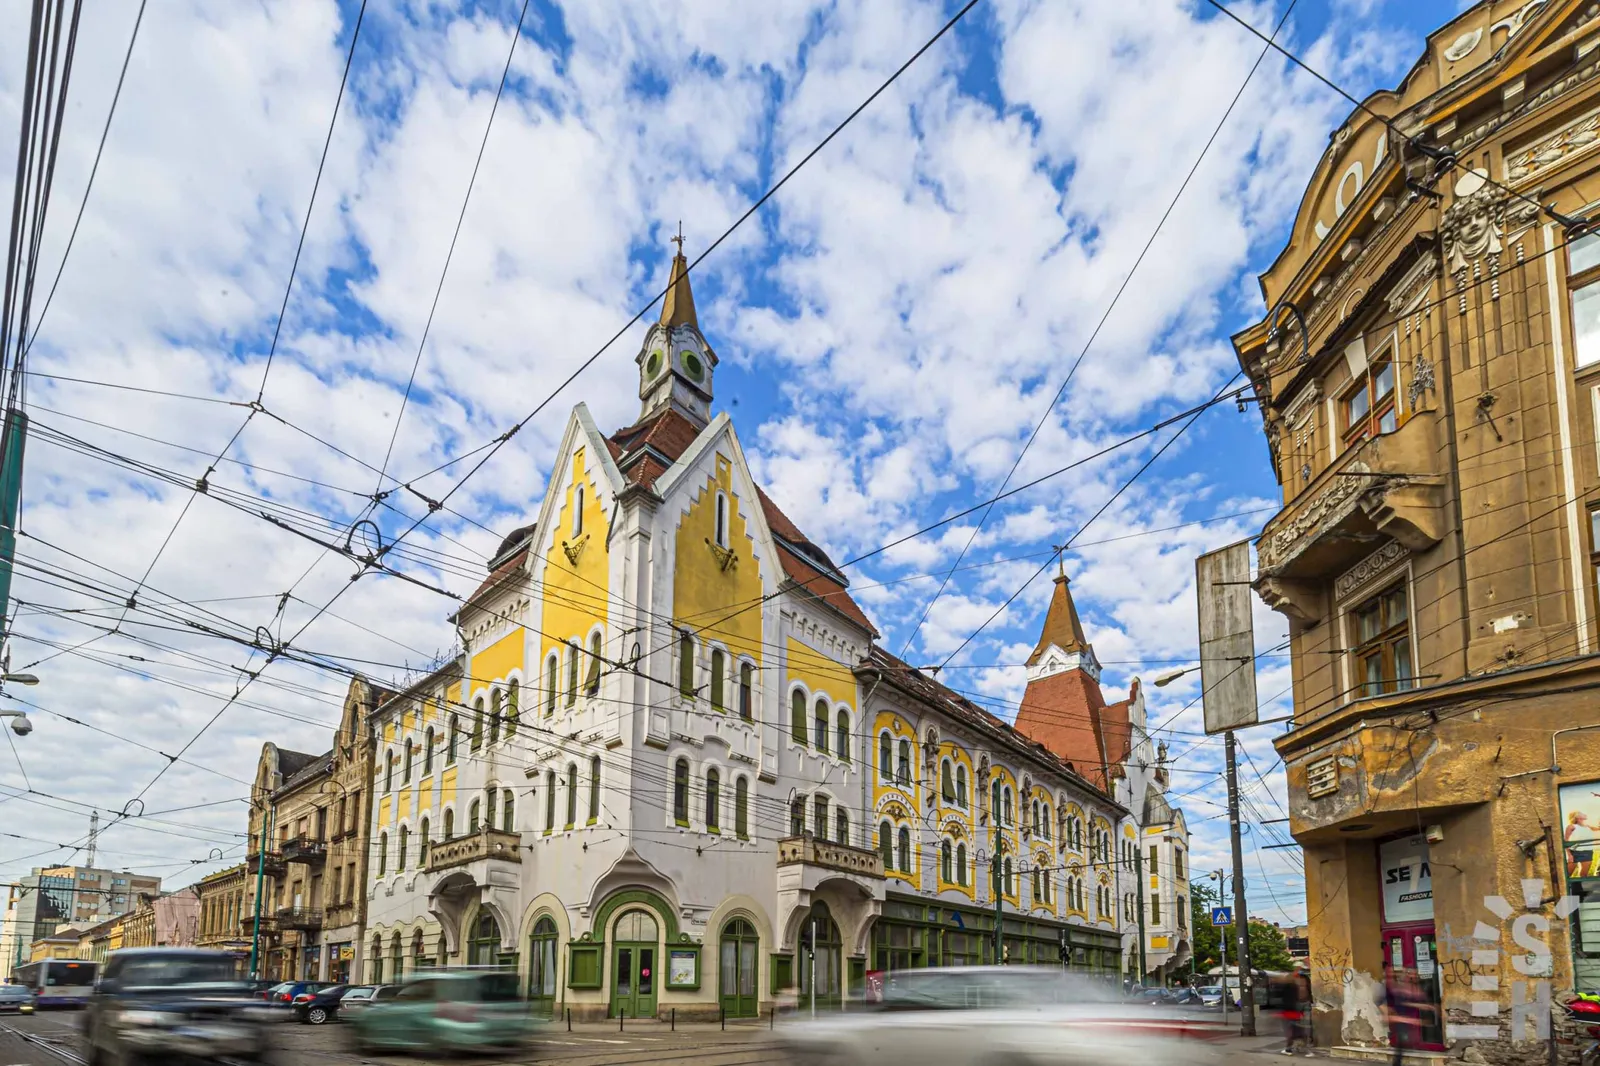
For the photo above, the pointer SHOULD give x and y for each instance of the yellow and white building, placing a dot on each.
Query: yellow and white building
(671, 770)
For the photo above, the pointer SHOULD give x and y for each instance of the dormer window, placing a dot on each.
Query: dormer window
(1368, 406)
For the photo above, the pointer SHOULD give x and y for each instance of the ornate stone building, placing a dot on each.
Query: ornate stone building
(225, 917)
(1429, 380)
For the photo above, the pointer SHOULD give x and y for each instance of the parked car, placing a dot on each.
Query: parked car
(319, 1006)
(987, 1014)
(282, 995)
(16, 999)
(358, 998)
(1152, 997)
(448, 1011)
(163, 1004)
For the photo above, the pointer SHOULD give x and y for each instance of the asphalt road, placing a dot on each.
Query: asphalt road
(52, 1038)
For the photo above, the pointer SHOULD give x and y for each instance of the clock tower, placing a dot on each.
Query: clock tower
(675, 362)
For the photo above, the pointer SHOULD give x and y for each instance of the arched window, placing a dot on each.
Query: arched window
(820, 720)
(552, 674)
(1036, 891)
(685, 663)
(383, 854)
(477, 724)
(543, 966)
(474, 816)
(841, 826)
(577, 511)
(841, 736)
(946, 863)
(994, 800)
(495, 713)
(819, 815)
(1033, 816)
(388, 772)
(797, 816)
(416, 951)
(592, 684)
(513, 708)
(400, 856)
(886, 844)
(454, 740)
(718, 668)
(961, 865)
(903, 846)
(741, 808)
(1010, 885)
(411, 751)
(396, 959)
(1045, 824)
(797, 716)
(427, 752)
(902, 765)
(947, 784)
(1010, 814)
(549, 800)
(485, 947)
(449, 824)
(680, 792)
(508, 811)
(572, 672)
(722, 520)
(961, 786)
(885, 758)
(594, 789)
(488, 807)
(713, 801)
(377, 957)
(422, 842)
(572, 794)
(747, 685)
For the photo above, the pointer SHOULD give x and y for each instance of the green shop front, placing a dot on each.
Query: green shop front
(912, 933)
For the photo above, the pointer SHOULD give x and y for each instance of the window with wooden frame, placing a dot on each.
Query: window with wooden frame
(1594, 543)
(1381, 630)
(1583, 283)
(1368, 407)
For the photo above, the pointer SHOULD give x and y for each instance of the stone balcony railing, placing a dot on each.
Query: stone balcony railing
(299, 918)
(484, 844)
(1389, 489)
(304, 850)
(810, 851)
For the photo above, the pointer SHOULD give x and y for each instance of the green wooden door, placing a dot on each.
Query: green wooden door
(542, 968)
(736, 969)
(633, 966)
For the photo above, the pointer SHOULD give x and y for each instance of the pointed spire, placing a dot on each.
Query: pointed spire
(1061, 626)
(677, 309)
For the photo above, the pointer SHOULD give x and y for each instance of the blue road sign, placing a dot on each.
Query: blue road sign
(1221, 916)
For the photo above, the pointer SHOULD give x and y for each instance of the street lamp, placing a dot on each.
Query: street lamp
(1166, 679)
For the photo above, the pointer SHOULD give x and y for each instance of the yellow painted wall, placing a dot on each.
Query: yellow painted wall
(447, 786)
(385, 809)
(403, 808)
(388, 733)
(898, 727)
(703, 591)
(425, 795)
(574, 594)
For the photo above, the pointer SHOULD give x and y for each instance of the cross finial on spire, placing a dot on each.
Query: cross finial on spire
(678, 240)
(1061, 560)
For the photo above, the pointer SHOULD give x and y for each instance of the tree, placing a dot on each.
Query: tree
(1268, 949)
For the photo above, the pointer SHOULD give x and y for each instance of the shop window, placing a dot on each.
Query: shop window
(1368, 405)
(1583, 274)
(1382, 633)
(1580, 834)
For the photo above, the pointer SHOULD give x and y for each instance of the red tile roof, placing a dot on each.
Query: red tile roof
(500, 573)
(668, 434)
(1064, 713)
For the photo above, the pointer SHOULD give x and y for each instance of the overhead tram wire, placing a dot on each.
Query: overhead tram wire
(1095, 333)
(94, 169)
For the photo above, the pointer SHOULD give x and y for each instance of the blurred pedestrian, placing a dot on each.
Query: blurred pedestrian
(1296, 1008)
(1402, 1010)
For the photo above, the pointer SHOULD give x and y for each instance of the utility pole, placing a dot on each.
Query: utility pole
(261, 870)
(1241, 912)
(1138, 874)
(999, 897)
(1222, 943)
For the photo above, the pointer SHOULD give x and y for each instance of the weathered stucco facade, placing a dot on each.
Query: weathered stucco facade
(1429, 381)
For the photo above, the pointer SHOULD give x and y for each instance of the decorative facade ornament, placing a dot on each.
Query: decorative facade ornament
(1367, 569)
(1517, 21)
(573, 549)
(1308, 521)
(726, 560)
(1413, 284)
(1463, 46)
(1574, 137)
(1422, 380)
(1478, 224)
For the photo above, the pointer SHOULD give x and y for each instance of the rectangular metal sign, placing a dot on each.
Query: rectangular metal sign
(1227, 638)
(1221, 916)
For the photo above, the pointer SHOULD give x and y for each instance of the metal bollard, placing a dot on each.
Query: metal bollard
(722, 1016)
(622, 1016)
(569, 1019)
(772, 1022)
(674, 1019)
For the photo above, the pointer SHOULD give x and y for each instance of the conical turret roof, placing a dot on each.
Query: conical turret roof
(1061, 625)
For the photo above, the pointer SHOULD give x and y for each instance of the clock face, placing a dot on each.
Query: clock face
(692, 366)
(652, 363)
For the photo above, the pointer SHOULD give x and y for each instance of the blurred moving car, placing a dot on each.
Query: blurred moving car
(16, 999)
(320, 1006)
(448, 1011)
(358, 998)
(161, 1005)
(1036, 1015)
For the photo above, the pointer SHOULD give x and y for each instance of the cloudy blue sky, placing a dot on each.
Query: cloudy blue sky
(891, 327)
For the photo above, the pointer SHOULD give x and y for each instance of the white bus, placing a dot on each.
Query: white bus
(58, 982)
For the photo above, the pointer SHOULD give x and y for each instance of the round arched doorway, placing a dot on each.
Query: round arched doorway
(633, 965)
(736, 969)
(484, 947)
(820, 958)
(542, 966)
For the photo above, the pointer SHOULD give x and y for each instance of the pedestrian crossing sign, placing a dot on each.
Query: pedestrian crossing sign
(1221, 916)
